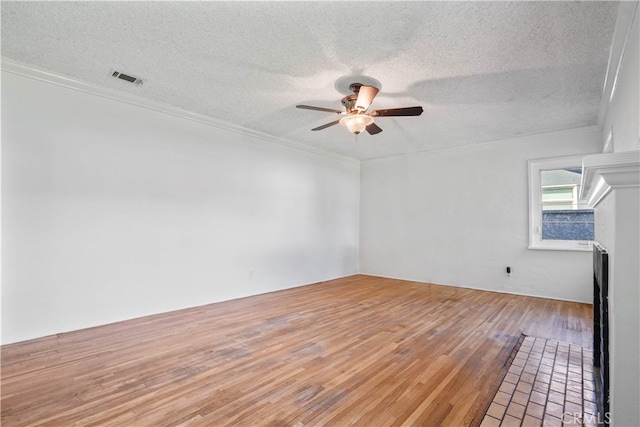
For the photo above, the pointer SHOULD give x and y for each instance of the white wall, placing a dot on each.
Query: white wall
(460, 217)
(112, 211)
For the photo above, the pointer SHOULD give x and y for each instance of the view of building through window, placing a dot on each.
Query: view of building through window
(564, 217)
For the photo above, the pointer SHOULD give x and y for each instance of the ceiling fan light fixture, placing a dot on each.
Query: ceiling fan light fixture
(356, 104)
(356, 123)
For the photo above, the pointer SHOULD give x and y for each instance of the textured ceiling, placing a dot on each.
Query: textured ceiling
(481, 70)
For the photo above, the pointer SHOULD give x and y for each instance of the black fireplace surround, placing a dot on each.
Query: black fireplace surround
(601, 328)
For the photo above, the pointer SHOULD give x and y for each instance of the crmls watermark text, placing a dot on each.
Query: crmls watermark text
(578, 418)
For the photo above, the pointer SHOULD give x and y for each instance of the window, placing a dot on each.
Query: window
(558, 219)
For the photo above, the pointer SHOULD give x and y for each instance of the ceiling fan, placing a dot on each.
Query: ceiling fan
(356, 117)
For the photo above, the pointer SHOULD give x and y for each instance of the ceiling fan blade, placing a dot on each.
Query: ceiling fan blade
(327, 125)
(373, 129)
(365, 97)
(405, 111)
(328, 110)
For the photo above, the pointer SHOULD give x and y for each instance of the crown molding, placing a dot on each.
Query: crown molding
(627, 14)
(35, 73)
(602, 173)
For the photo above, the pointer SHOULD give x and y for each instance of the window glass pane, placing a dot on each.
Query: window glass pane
(558, 220)
(564, 217)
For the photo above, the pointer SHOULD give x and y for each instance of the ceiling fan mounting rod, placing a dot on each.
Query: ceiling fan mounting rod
(355, 87)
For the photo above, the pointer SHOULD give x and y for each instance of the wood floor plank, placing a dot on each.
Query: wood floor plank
(360, 350)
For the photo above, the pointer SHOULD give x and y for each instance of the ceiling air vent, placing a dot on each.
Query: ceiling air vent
(126, 77)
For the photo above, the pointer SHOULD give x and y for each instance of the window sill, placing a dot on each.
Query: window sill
(576, 248)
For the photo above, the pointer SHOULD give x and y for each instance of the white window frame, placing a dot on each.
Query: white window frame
(535, 206)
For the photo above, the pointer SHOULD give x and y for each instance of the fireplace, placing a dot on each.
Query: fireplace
(601, 326)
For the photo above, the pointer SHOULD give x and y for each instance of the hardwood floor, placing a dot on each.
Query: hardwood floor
(359, 350)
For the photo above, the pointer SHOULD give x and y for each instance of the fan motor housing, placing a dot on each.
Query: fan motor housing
(349, 102)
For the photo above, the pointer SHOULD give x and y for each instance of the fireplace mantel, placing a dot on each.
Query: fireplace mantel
(617, 229)
(603, 172)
